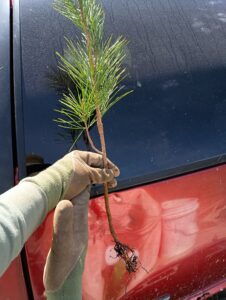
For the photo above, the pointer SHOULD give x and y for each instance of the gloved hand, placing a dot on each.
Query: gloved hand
(70, 175)
(65, 261)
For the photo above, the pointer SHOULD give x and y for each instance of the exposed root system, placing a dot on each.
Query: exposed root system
(127, 255)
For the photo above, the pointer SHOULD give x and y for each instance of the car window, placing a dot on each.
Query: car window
(176, 61)
(6, 154)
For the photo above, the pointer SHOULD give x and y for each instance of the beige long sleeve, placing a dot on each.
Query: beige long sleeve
(22, 209)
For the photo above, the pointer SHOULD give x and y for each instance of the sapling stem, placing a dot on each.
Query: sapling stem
(100, 128)
(95, 66)
(99, 121)
(91, 141)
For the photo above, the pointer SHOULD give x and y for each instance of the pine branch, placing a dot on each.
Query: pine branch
(91, 141)
(95, 67)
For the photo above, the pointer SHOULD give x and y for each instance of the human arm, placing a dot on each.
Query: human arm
(23, 208)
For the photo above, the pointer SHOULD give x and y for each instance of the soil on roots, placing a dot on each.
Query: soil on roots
(127, 255)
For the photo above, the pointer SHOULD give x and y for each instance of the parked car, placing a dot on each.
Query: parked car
(168, 138)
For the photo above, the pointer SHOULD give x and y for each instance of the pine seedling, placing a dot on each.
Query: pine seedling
(95, 66)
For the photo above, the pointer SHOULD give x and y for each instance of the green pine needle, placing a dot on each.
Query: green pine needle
(93, 64)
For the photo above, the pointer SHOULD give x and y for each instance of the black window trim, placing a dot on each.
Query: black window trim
(166, 174)
(6, 148)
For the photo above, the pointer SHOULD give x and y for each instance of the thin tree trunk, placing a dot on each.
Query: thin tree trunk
(100, 128)
(91, 141)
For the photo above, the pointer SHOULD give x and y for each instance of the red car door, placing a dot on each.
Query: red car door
(167, 137)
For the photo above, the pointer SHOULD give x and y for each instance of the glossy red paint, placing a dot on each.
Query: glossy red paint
(12, 284)
(177, 227)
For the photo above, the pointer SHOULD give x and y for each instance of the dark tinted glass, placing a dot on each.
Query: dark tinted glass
(176, 60)
(6, 155)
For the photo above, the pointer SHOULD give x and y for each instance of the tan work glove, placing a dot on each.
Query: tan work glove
(70, 175)
(65, 261)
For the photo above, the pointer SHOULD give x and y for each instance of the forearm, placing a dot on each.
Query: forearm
(22, 209)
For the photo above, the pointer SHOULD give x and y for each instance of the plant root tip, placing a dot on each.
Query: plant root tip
(127, 255)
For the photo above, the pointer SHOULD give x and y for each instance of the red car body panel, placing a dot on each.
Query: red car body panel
(12, 284)
(177, 227)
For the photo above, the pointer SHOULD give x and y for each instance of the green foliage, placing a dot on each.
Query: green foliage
(94, 65)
